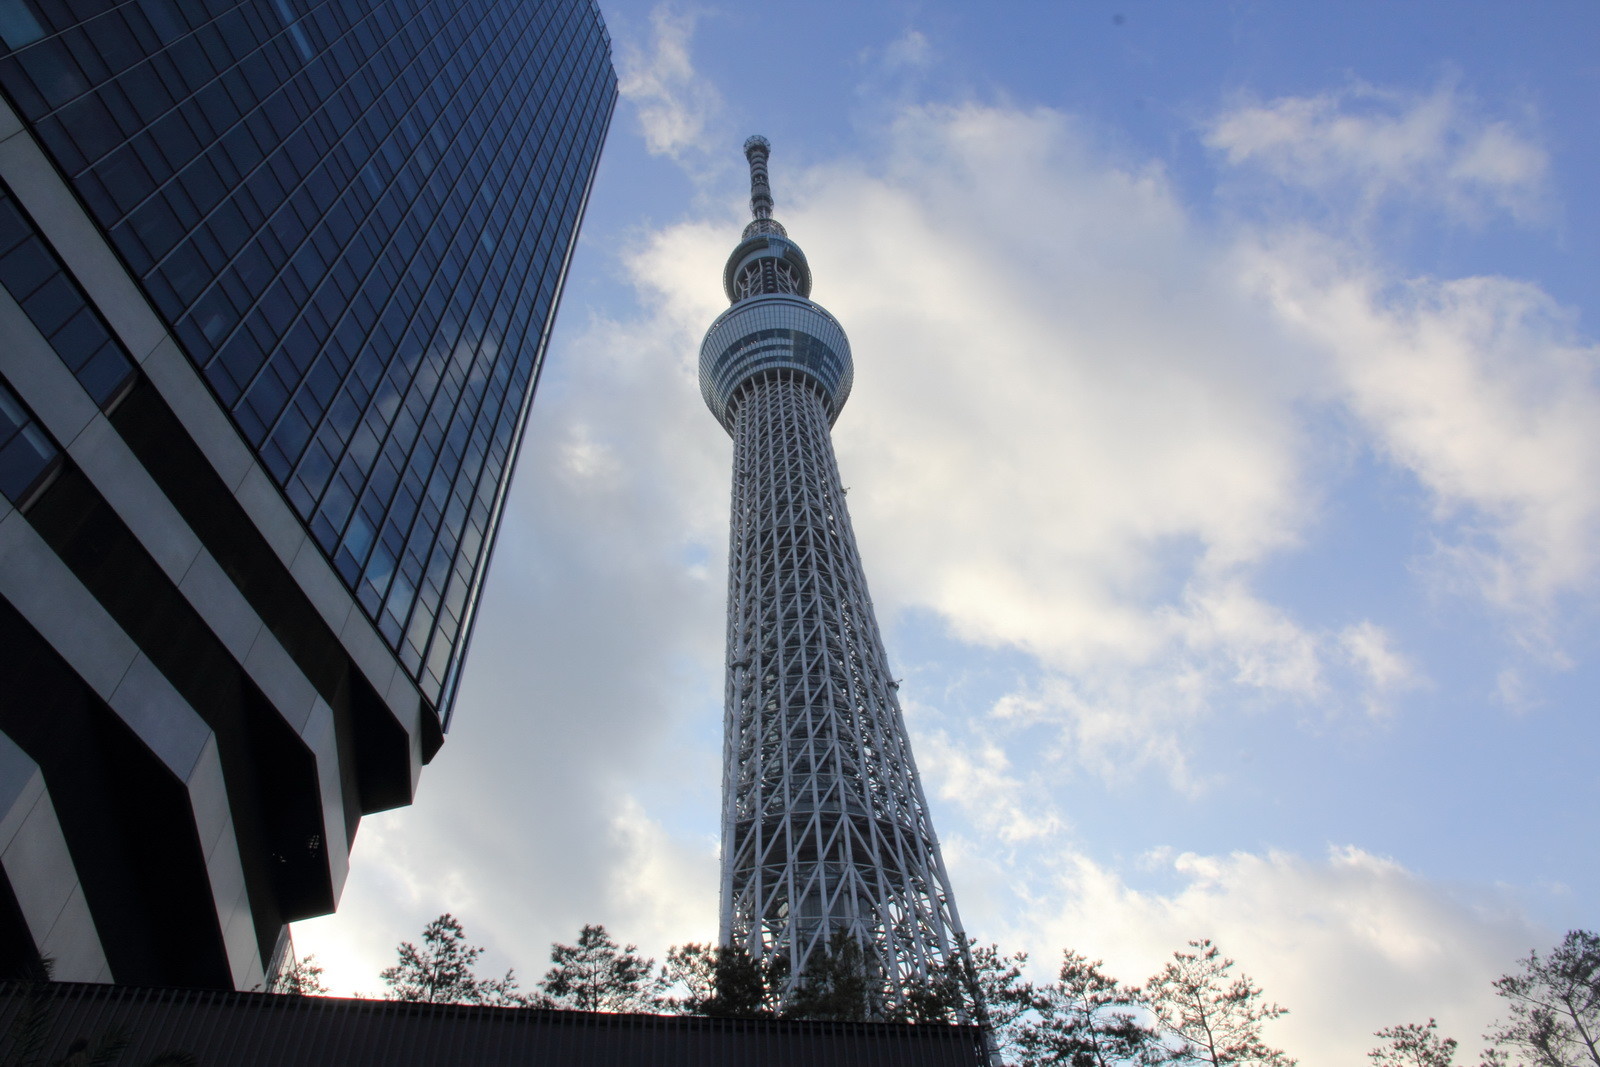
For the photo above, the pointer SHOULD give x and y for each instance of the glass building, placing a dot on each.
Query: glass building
(276, 281)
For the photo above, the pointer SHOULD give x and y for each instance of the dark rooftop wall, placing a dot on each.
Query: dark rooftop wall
(263, 1030)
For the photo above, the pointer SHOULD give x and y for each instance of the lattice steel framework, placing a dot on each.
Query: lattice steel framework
(825, 825)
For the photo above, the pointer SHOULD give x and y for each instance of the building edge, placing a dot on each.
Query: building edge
(453, 679)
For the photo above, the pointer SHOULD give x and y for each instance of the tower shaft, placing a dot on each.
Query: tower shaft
(825, 827)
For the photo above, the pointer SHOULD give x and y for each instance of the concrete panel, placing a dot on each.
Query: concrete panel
(78, 241)
(67, 615)
(180, 385)
(227, 879)
(45, 883)
(102, 454)
(164, 721)
(233, 914)
(270, 513)
(39, 377)
(316, 577)
(280, 680)
(319, 736)
(21, 786)
(244, 957)
(208, 795)
(405, 700)
(73, 944)
(40, 867)
(10, 124)
(226, 611)
(370, 654)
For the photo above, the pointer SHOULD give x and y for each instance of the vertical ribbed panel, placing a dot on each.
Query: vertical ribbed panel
(262, 1030)
(825, 826)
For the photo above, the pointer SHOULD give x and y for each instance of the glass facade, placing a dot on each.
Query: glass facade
(27, 454)
(355, 218)
(37, 280)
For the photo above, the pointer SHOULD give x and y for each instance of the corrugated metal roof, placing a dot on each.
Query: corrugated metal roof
(267, 1030)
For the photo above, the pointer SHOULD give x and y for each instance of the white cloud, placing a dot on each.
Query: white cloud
(980, 779)
(1482, 389)
(668, 885)
(911, 49)
(1348, 944)
(1370, 649)
(675, 105)
(1435, 149)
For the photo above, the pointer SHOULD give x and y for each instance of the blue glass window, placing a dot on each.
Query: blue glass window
(27, 455)
(37, 280)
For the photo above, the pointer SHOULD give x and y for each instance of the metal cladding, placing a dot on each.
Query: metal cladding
(825, 826)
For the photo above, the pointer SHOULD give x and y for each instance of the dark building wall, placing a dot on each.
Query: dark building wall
(276, 279)
(355, 218)
(260, 1030)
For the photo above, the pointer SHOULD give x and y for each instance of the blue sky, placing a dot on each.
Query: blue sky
(1225, 458)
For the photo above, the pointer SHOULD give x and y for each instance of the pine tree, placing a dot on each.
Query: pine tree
(1212, 1018)
(1555, 1005)
(1089, 1019)
(597, 974)
(834, 984)
(1410, 1045)
(301, 978)
(723, 981)
(1007, 1003)
(441, 971)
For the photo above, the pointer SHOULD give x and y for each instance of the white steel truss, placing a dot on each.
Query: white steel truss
(825, 825)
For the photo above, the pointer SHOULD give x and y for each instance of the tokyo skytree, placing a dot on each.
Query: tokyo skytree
(825, 827)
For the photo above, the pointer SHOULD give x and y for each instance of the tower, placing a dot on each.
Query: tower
(276, 280)
(825, 828)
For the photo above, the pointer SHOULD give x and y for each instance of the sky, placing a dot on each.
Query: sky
(1224, 455)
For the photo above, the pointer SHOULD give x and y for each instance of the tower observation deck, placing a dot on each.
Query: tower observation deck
(825, 828)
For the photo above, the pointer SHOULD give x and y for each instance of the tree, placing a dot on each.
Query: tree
(1410, 1045)
(724, 981)
(995, 995)
(597, 974)
(834, 984)
(441, 971)
(1555, 1005)
(942, 995)
(1212, 1018)
(301, 978)
(694, 968)
(1089, 1019)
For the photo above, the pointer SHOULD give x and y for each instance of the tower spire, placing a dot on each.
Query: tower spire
(756, 150)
